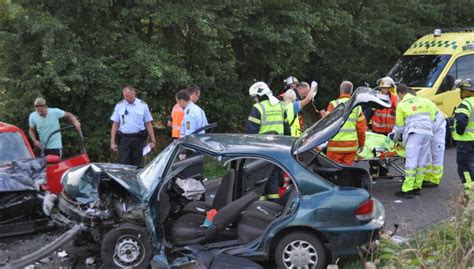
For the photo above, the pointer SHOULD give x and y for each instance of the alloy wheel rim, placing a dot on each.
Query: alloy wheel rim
(300, 254)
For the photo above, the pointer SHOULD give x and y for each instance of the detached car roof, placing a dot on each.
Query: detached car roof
(247, 144)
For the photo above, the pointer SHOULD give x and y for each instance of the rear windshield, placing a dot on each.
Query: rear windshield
(13, 147)
(419, 70)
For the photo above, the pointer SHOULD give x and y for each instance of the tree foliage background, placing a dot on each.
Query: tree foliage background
(79, 54)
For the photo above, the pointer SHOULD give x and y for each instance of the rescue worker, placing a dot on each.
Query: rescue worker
(301, 92)
(267, 116)
(434, 170)
(383, 120)
(131, 125)
(343, 147)
(290, 83)
(177, 113)
(194, 116)
(414, 119)
(294, 106)
(463, 134)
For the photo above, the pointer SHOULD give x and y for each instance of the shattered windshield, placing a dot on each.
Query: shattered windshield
(151, 174)
(419, 70)
(13, 147)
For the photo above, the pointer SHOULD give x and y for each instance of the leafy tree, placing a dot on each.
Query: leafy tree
(78, 55)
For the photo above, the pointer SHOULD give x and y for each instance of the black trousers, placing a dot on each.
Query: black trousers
(465, 160)
(56, 152)
(131, 150)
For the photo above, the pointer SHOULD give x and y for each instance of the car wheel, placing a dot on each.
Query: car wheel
(300, 250)
(127, 246)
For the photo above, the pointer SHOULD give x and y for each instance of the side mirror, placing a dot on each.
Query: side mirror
(50, 159)
(446, 85)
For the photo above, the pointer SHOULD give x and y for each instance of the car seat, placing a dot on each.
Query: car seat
(256, 218)
(188, 228)
(223, 196)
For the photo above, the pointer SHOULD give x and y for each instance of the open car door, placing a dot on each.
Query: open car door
(327, 127)
(56, 169)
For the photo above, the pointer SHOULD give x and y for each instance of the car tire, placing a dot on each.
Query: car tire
(127, 246)
(300, 249)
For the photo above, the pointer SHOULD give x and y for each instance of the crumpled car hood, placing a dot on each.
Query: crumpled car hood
(82, 183)
(22, 175)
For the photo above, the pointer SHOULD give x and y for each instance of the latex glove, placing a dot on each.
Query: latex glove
(361, 149)
(323, 113)
(314, 88)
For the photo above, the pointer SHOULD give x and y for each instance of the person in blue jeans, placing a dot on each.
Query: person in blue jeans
(44, 121)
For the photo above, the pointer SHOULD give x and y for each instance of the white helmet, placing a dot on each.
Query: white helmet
(387, 82)
(259, 88)
(291, 80)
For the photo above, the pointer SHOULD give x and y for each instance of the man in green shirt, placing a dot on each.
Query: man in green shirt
(44, 121)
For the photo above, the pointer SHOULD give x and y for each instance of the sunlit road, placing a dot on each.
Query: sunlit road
(432, 206)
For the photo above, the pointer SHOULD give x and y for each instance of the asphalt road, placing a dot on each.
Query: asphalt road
(431, 207)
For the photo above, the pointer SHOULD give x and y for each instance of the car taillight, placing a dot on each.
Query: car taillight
(365, 210)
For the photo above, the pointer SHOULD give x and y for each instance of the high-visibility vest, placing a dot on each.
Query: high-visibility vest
(348, 131)
(383, 120)
(293, 120)
(177, 115)
(271, 117)
(415, 115)
(468, 134)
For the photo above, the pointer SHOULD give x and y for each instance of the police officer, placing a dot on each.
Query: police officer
(463, 133)
(194, 116)
(267, 116)
(130, 119)
(414, 120)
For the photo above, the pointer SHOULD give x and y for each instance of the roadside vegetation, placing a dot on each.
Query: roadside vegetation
(448, 244)
(79, 54)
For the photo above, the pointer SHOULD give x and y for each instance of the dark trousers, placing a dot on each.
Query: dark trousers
(465, 160)
(131, 150)
(272, 185)
(56, 152)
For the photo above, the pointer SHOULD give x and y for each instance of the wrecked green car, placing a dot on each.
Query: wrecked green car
(159, 216)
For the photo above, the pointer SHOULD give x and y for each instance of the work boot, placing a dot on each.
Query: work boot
(374, 171)
(428, 184)
(408, 194)
(383, 172)
(416, 192)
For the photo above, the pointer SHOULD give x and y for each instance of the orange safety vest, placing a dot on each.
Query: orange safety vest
(177, 115)
(383, 120)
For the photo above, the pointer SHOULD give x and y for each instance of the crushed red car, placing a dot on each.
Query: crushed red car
(24, 179)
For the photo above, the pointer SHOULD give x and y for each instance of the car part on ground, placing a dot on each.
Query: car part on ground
(46, 250)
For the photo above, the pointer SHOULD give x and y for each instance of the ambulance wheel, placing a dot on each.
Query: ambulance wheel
(300, 250)
(127, 246)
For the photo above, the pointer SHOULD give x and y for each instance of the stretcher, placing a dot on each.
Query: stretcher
(389, 154)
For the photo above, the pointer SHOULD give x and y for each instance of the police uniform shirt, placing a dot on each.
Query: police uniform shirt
(194, 118)
(131, 117)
